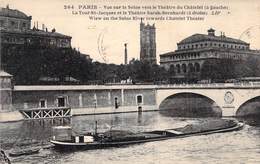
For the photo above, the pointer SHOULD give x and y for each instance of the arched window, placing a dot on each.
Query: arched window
(172, 69)
(197, 67)
(184, 69)
(191, 68)
(178, 68)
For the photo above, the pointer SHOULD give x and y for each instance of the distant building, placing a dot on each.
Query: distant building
(147, 43)
(193, 51)
(15, 29)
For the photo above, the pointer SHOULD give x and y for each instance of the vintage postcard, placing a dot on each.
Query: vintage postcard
(128, 81)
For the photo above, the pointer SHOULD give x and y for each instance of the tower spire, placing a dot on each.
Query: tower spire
(147, 43)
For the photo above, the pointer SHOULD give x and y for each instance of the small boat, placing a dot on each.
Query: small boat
(115, 138)
(25, 151)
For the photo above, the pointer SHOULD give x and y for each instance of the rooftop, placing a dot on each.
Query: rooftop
(37, 32)
(210, 37)
(13, 13)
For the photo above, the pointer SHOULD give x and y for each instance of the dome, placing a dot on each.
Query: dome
(202, 37)
(7, 12)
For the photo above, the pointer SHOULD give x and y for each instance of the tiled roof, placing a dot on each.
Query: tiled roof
(13, 13)
(44, 33)
(203, 37)
(36, 32)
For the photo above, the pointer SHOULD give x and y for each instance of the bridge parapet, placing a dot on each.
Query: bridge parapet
(212, 85)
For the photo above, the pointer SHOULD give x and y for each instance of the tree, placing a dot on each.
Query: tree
(218, 69)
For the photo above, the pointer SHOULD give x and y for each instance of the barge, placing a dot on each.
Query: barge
(115, 138)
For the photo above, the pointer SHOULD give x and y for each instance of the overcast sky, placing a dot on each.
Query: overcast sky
(85, 33)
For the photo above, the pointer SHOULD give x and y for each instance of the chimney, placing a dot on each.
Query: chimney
(211, 32)
(125, 53)
(34, 26)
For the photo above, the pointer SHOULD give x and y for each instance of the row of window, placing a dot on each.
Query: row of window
(185, 56)
(63, 101)
(13, 24)
(202, 45)
(185, 68)
(59, 43)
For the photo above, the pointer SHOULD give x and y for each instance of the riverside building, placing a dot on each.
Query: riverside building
(15, 29)
(187, 61)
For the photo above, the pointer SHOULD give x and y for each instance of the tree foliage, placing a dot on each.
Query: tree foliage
(29, 63)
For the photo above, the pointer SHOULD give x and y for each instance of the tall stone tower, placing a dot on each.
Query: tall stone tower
(147, 43)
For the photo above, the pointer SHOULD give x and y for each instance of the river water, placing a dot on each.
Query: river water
(232, 147)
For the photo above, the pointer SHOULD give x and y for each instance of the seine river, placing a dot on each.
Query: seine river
(233, 147)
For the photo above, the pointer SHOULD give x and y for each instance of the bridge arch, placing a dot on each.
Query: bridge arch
(253, 103)
(166, 95)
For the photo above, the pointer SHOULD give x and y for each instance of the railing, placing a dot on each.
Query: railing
(136, 86)
(44, 113)
(212, 85)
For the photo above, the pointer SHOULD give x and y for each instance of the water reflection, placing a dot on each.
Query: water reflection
(190, 112)
(251, 120)
(139, 118)
(24, 133)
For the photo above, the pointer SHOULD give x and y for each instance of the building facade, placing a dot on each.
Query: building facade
(15, 29)
(147, 43)
(193, 51)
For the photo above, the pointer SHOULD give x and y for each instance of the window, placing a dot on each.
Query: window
(139, 99)
(178, 68)
(184, 70)
(61, 101)
(1, 23)
(25, 105)
(43, 103)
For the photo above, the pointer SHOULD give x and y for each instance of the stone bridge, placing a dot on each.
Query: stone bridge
(228, 96)
(86, 99)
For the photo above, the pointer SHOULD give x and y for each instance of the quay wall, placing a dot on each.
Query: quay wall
(86, 99)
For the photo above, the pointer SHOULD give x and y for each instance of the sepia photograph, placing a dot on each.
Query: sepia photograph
(123, 82)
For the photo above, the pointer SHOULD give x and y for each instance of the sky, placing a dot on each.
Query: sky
(242, 20)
